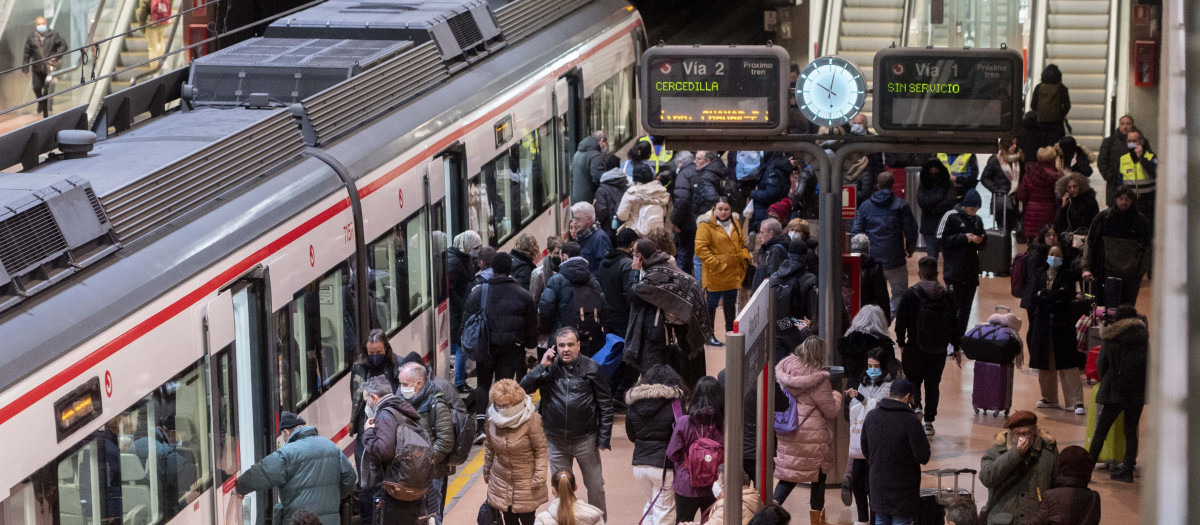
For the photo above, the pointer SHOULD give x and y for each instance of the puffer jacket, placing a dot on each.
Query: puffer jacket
(649, 422)
(801, 456)
(460, 272)
(644, 207)
(576, 401)
(522, 271)
(935, 196)
(889, 223)
(618, 277)
(613, 185)
(723, 255)
(511, 313)
(515, 459)
(586, 168)
(584, 514)
(593, 244)
(560, 291)
(681, 197)
(1070, 502)
(706, 187)
(437, 421)
(751, 503)
(1016, 483)
(311, 472)
(854, 347)
(1122, 362)
(1080, 211)
(379, 442)
(772, 187)
(1037, 192)
(961, 256)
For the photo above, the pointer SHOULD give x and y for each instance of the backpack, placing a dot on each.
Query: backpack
(704, 459)
(936, 320)
(464, 435)
(1017, 277)
(475, 339)
(747, 162)
(788, 293)
(787, 422)
(160, 10)
(991, 343)
(407, 476)
(586, 314)
(649, 216)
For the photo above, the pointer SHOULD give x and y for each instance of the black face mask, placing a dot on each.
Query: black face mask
(554, 262)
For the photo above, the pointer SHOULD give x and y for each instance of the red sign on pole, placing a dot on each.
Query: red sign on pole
(849, 210)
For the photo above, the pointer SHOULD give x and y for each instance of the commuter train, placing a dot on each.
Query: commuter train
(136, 389)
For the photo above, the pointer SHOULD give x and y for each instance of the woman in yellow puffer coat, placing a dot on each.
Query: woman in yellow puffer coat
(721, 247)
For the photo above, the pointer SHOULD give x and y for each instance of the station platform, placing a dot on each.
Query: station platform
(960, 440)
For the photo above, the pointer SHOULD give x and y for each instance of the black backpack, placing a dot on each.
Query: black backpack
(586, 314)
(936, 321)
(464, 433)
(788, 294)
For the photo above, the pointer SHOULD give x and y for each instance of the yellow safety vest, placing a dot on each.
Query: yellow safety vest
(658, 154)
(1132, 174)
(960, 163)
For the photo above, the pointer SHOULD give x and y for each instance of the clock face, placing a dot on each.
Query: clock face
(831, 91)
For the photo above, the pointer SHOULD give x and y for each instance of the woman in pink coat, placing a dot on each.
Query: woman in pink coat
(1037, 192)
(806, 456)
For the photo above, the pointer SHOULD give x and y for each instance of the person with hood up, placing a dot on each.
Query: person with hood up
(1122, 364)
(709, 183)
(460, 271)
(807, 456)
(1072, 158)
(587, 166)
(1071, 502)
(890, 225)
(613, 185)
(682, 218)
(874, 282)
(644, 205)
(1002, 176)
(935, 196)
(564, 509)
(1118, 245)
(1078, 205)
(1052, 332)
(705, 418)
(721, 246)
(868, 331)
(525, 251)
(309, 471)
(668, 321)
(652, 404)
(554, 306)
(1018, 469)
(773, 186)
(385, 412)
(873, 386)
(1037, 191)
(593, 242)
(515, 455)
(795, 289)
(895, 449)
(375, 359)
(1051, 101)
(961, 237)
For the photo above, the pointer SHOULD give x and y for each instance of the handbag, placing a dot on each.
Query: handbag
(488, 515)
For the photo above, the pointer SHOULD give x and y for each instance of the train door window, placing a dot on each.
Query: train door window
(387, 283)
(544, 161)
(441, 241)
(610, 108)
(225, 446)
(478, 208)
(417, 263)
(181, 435)
(23, 507)
(317, 337)
(503, 180)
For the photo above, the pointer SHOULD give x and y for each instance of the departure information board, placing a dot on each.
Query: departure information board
(943, 92)
(714, 90)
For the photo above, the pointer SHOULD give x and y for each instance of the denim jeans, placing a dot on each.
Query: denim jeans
(460, 365)
(584, 450)
(884, 519)
(434, 499)
(897, 279)
(697, 270)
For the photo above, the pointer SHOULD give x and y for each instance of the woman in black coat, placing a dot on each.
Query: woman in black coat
(1051, 337)
(649, 424)
(524, 253)
(1122, 363)
(1077, 205)
(935, 196)
(868, 331)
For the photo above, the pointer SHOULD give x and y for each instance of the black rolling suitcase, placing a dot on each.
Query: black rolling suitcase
(932, 510)
(1114, 289)
(996, 256)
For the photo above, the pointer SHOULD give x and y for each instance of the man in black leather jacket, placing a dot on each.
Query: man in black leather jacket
(576, 410)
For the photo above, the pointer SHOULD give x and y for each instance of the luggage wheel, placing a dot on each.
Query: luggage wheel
(996, 414)
(977, 411)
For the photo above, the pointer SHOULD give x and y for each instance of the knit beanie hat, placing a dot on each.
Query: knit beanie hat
(972, 200)
(780, 209)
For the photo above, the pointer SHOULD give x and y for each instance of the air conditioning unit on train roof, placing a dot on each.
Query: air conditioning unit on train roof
(462, 28)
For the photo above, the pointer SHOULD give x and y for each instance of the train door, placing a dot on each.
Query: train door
(234, 328)
(459, 216)
(563, 150)
(439, 329)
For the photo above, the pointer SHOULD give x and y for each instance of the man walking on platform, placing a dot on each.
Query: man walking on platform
(925, 325)
(892, 229)
(895, 448)
(960, 235)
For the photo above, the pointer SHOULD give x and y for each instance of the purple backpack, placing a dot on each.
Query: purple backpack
(787, 422)
(991, 343)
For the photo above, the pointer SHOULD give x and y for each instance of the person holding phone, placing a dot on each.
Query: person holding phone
(1018, 469)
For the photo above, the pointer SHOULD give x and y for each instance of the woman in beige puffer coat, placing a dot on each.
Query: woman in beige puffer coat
(807, 455)
(515, 455)
(644, 205)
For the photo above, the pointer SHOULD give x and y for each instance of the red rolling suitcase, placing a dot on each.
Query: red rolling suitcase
(993, 388)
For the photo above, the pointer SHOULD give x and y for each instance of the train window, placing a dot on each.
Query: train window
(544, 165)
(225, 445)
(610, 108)
(386, 285)
(515, 186)
(478, 208)
(441, 241)
(418, 263)
(317, 337)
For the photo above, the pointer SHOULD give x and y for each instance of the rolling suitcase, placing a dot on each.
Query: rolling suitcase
(1113, 291)
(993, 388)
(933, 503)
(1114, 444)
(996, 256)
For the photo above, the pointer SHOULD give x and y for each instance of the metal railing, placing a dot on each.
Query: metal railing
(158, 66)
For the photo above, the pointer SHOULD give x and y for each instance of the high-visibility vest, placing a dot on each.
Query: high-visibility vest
(658, 154)
(959, 165)
(1132, 174)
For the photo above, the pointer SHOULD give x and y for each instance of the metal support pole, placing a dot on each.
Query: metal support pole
(734, 356)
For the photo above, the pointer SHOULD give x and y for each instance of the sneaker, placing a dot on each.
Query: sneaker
(1042, 403)
(480, 438)
(712, 341)
(847, 492)
(929, 428)
(1079, 410)
(1122, 474)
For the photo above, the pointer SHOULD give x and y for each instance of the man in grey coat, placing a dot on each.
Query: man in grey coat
(587, 166)
(310, 471)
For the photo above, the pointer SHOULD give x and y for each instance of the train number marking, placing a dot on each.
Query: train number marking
(108, 383)
(349, 231)
(312, 256)
(401, 198)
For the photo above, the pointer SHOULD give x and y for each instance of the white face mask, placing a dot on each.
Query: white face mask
(408, 392)
(793, 235)
(370, 410)
(41, 28)
(857, 129)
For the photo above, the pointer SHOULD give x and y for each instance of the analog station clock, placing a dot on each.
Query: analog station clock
(830, 91)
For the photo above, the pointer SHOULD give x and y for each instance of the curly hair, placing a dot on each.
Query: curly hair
(506, 392)
(527, 245)
(663, 239)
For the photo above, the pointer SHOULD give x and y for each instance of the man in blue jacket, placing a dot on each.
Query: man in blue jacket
(892, 229)
(593, 242)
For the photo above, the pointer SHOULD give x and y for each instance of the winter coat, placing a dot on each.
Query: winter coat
(1037, 192)
(854, 347)
(618, 277)
(723, 255)
(889, 223)
(360, 372)
(801, 456)
(804, 303)
(586, 168)
(935, 196)
(772, 186)
(51, 44)
(1016, 483)
(1050, 98)
(515, 460)
(459, 272)
(584, 514)
(770, 255)
(1108, 161)
(379, 442)
(557, 298)
(908, 312)
(963, 180)
(1118, 245)
(1070, 502)
(681, 198)
(1124, 352)
(649, 422)
(613, 185)
(522, 271)
(895, 445)
(707, 187)
(875, 285)
(1076, 160)
(1080, 210)
(995, 179)
(751, 503)
(960, 256)
(541, 276)
(1003, 188)
(1035, 265)
(644, 207)
(576, 401)
(1030, 138)
(682, 437)
(437, 421)
(310, 472)
(750, 412)
(666, 303)
(593, 244)
(511, 314)
(1052, 322)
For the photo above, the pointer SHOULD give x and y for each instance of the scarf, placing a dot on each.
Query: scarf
(1011, 166)
(676, 294)
(513, 416)
(856, 170)
(727, 224)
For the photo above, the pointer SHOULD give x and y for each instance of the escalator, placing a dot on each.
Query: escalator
(1077, 40)
(863, 27)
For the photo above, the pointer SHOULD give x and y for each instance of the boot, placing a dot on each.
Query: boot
(817, 517)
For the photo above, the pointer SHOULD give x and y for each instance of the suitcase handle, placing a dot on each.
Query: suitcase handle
(1006, 309)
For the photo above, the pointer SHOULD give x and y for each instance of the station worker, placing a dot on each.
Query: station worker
(1139, 169)
(964, 171)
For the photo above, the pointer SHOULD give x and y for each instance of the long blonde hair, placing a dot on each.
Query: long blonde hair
(811, 352)
(564, 484)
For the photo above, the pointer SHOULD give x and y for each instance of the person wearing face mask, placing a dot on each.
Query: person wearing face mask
(1112, 149)
(42, 50)
(434, 408)
(1139, 170)
(1002, 176)
(460, 270)
(872, 387)
(1051, 337)
(385, 412)
(863, 169)
(374, 359)
(309, 471)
